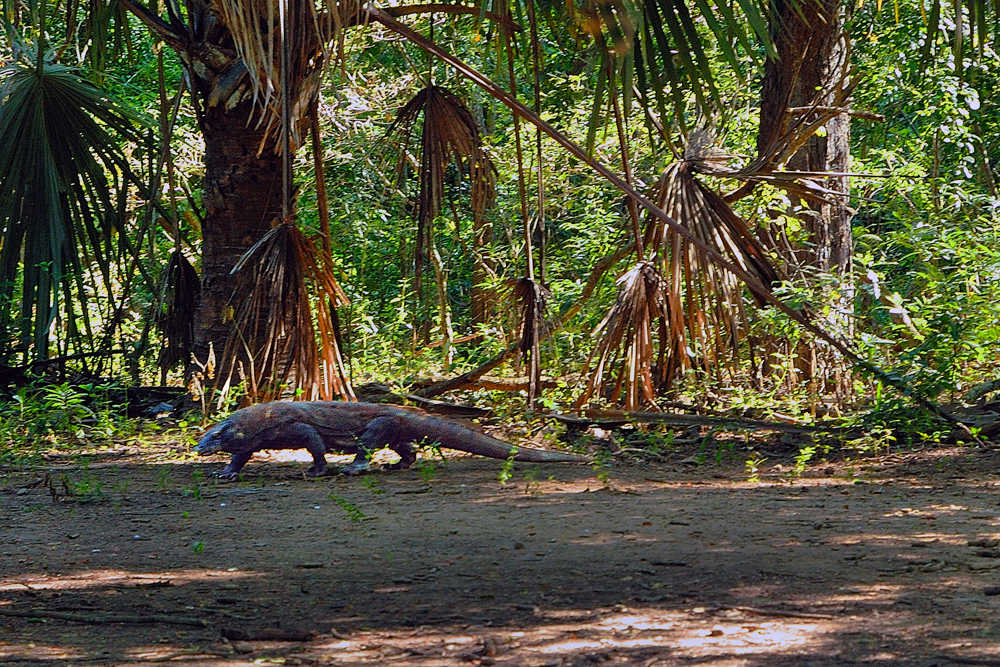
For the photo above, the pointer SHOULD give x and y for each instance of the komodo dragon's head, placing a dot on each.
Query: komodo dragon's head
(221, 437)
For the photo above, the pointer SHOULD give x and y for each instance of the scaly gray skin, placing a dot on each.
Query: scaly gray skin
(349, 428)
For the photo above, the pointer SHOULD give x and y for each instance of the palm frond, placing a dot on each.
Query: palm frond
(627, 340)
(286, 284)
(664, 47)
(258, 31)
(681, 303)
(449, 135)
(175, 318)
(61, 171)
(532, 298)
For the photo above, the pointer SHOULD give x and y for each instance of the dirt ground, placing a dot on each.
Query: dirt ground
(139, 558)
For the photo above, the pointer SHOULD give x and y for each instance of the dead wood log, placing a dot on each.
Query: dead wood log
(614, 418)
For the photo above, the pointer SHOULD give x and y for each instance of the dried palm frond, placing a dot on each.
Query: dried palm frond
(710, 298)
(627, 339)
(307, 31)
(280, 271)
(693, 307)
(175, 318)
(532, 298)
(449, 135)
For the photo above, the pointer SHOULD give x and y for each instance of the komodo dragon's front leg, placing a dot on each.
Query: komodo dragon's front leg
(232, 471)
(290, 436)
(381, 432)
(306, 436)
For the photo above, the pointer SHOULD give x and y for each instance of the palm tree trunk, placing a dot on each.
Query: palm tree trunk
(812, 57)
(242, 199)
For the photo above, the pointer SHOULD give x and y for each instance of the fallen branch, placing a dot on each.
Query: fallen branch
(192, 653)
(981, 390)
(612, 418)
(106, 618)
(763, 611)
(494, 383)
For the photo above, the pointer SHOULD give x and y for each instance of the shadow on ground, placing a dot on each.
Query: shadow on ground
(655, 565)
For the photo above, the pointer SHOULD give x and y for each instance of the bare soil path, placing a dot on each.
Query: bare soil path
(893, 562)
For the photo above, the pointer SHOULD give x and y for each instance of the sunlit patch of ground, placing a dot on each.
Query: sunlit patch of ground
(638, 636)
(99, 578)
(39, 652)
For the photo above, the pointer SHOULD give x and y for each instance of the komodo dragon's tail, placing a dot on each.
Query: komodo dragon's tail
(455, 436)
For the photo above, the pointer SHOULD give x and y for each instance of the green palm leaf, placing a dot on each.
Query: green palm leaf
(61, 165)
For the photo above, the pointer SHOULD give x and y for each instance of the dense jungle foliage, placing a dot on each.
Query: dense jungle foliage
(98, 295)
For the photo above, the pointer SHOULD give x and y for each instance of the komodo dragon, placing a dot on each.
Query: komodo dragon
(349, 428)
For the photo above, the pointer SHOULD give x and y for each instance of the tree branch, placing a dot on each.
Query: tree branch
(437, 8)
(158, 26)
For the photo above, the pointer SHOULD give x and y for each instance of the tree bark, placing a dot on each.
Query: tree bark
(812, 58)
(810, 71)
(242, 199)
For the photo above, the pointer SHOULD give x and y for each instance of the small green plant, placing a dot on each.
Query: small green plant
(507, 468)
(602, 465)
(531, 485)
(85, 488)
(753, 465)
(723, 449)
(198, 548)
(660, 442)
(427, 469)
(64, 408)
(371, 483)
(120, 483)
(162, 478)
(197, 485)
(354, 514)
(802, 458)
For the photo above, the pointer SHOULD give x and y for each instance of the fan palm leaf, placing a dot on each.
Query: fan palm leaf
(627, 340)
(532, 298)
(305, 31)
(710, 297)
(448, 135)
(175, 318)
(63, 176)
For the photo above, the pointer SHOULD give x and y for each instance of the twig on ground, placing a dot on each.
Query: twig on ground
(106, 618)
(764, 611)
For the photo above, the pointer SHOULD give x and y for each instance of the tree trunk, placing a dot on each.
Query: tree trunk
(242, 199)
(812, 57)
(810, 69)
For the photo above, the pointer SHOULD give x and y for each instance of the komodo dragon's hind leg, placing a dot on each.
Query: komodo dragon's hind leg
(381, 432)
